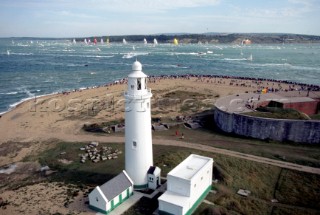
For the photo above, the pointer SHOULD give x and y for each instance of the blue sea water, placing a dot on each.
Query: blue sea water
(33, 68)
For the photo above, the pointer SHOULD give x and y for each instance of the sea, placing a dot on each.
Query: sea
(34, 67)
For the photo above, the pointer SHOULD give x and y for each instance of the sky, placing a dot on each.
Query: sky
(74, 18)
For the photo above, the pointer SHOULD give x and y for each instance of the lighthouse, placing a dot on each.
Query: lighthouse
(138, 138)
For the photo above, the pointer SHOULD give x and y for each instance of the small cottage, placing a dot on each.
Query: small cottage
(108, 196)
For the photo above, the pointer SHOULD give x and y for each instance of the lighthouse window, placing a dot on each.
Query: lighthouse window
(148, 105)
(145, 83)
(132, 87)
(139, 83)
(134, 144)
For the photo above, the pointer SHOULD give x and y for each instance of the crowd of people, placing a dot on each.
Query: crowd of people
(259, 83)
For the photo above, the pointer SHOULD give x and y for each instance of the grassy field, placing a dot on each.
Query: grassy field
(295, 191)
(76, 172)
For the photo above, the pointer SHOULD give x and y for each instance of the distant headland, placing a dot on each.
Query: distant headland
(223, 38)
(217, 38)
(211, 38)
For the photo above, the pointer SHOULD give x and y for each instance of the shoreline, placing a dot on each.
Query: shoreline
(312, 87)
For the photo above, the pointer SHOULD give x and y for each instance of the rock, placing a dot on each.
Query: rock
(95, 144)
(274, 200)
(49, 172)
(242, 192)
(82, 148)
(44, 168)
(62, 153)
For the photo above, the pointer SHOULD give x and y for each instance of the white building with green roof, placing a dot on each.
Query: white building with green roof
(108, 196)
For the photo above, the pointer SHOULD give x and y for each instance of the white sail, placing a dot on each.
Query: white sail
(101, 41)
(250, 58)
(85, 41)
(145, 41)
(155, 42)
(124, 41)
(74, 41)
(8, 52)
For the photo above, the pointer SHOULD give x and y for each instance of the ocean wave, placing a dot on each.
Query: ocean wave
(104, 56)
(273, 64)
(174, 66)
(133, 54)
(288, 65)
(21, 54)
(9, 93)
(235, 59)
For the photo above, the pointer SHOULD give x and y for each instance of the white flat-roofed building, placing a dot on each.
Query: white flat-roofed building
(187, 185)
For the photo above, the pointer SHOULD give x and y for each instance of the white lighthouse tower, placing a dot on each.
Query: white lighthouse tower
(138, 139)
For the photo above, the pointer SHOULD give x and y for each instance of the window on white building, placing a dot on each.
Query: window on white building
(132, 87)
(134, 144)
(139, 83)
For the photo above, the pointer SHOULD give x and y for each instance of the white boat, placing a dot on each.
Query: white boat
(8, 52)
(145, 41)
(133, 48)
(101, 41)
(124, 41)
(74, 41)
(250, 58)
(155, 42)
(85, 41)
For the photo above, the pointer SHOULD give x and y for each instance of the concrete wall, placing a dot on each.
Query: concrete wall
(300, 131)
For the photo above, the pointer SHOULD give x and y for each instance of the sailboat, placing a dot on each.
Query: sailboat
(250, 58)
(85, 41)
(155, 42)
(124, 41)
(175, 41)
(74, 41)
(101, 41)
(8, 52)
(145, 41)
(95, 41)
(107, 41)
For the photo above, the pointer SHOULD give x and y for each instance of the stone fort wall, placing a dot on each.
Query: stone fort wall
(299, 131)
